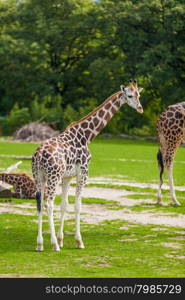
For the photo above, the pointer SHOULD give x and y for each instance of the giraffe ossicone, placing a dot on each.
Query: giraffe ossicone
(61, 158)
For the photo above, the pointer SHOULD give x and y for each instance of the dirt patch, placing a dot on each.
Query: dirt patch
(171, 245)
(118, 195)
(96, 216)
(128, 240)
(151, 235)
(179, 238)
(97, 213)
(180, 232)
(175, 256)
(113, 181)
(127, 227)
(13, 210)
(158, 229)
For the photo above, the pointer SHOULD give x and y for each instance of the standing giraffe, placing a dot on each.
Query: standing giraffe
(65, 156)
(171, 133)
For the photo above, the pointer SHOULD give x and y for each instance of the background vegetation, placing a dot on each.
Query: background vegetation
(61, 58)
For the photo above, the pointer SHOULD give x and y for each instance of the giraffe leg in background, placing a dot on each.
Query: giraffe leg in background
(168, 162)
(63, 207)
(161, 169)
(81, 181)
(171, 185)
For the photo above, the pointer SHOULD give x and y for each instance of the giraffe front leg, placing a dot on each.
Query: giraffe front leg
(78, 237)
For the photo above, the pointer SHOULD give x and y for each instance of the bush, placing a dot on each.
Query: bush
(143, 131)
(49, 110)
(17, 118)
(3, 126)
(70, 115)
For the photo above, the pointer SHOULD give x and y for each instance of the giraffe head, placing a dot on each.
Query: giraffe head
(131, 95)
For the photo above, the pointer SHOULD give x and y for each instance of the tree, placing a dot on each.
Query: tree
(60, 57)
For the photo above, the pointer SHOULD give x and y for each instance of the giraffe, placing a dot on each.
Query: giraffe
(61, 158)
(24, 186)
(171, 133)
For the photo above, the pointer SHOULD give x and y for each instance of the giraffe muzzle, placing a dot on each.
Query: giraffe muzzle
(140, 109)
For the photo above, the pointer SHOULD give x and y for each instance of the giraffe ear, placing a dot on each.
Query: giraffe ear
(122, 88)
(140, 90)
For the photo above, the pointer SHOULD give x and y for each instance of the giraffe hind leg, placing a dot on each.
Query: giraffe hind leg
(39, 199)
(161, 169)
(63, 208)
(171, 185)
(52, 185)
(168, 162)
(81, 181)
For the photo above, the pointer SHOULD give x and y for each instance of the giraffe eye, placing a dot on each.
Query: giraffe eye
(130, 96)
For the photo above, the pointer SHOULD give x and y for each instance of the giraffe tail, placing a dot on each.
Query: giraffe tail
(39, 200)
(161, 165)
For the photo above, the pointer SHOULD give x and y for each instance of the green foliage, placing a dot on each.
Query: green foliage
(17, 118)
(49, 110)
(70, 115)
(78, 50)
(3, 126)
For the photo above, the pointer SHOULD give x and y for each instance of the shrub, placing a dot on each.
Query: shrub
(3, 126)
(17, 118)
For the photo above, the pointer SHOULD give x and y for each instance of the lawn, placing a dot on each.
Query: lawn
(111, 251)
(114, 248)
(118, 158)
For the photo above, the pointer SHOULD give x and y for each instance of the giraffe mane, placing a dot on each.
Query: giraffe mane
(94, 110)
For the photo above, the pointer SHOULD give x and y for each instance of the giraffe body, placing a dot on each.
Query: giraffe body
(171, 133)
(61, 158)
(24, 186)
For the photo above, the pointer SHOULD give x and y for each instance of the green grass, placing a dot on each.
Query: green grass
(87, 200)
(134, 251)
(109, 251)
(18, 149)
(107, 155)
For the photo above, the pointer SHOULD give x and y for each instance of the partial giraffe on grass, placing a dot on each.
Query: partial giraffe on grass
(61, 158)
(24, 186)
(171, 133)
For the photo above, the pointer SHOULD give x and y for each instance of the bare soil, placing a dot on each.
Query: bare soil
(96, 213)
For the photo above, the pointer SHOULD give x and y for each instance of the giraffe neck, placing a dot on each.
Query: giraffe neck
(92, 124)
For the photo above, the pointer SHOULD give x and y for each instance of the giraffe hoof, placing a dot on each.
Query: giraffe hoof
(80, 245)
(39, 248)
(56, 247)
(60, 242)
(176, 204)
